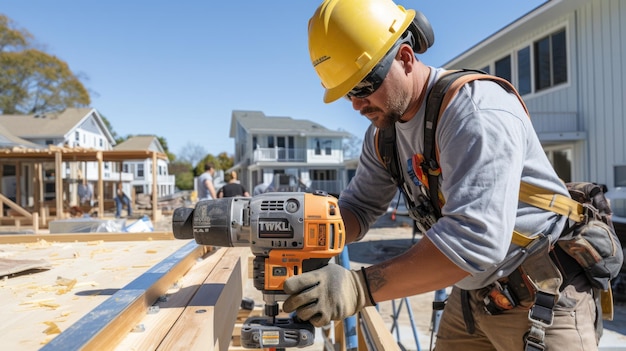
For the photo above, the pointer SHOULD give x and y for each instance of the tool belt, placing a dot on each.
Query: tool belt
(534, 285)
(517, 289)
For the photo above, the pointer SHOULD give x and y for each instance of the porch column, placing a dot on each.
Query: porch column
(100, 186)
(155, 194)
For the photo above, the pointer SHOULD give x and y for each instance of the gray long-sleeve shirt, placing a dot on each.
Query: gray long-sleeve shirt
(487, 145)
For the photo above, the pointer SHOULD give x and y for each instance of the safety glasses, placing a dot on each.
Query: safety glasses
(374, 79)
(377, 75)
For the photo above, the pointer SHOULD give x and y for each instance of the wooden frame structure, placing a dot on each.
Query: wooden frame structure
(58, 155)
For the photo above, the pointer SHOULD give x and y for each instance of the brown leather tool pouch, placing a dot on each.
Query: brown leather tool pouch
(541, 271)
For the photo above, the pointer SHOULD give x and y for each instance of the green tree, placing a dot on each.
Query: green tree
(222, 161)
(32, 81)
(184, 174)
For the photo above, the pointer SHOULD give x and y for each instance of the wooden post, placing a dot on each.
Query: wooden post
(39, 204)
(100, 186)
(155, 194)
(35, 223)
(58, 179)
(18, 183)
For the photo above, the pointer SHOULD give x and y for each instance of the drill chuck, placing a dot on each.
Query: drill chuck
(220, 222)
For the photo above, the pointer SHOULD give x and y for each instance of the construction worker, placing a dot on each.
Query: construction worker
(206, 189)
(365, 51)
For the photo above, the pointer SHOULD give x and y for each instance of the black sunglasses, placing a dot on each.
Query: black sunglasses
(377, 75)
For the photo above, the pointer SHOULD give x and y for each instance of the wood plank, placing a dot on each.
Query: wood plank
(208, 321)
(375, 331)
(84, 237)
(105, 326)
(15, 207)
(157, 325)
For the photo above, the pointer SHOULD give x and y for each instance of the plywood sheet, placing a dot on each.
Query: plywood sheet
(36, 307)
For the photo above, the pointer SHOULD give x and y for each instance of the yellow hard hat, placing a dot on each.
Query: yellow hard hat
(347, 38)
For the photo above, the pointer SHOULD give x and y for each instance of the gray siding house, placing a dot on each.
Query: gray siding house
(286, 153)
(566, 58)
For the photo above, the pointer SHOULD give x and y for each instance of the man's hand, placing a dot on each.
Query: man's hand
(329, 293)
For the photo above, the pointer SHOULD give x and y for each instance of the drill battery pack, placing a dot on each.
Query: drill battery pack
(261, 332)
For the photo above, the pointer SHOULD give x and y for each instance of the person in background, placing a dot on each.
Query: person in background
(206, 189)
(121, 200)
(85, 193)
(233, 187)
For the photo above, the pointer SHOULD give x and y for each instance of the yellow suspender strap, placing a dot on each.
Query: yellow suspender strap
(542, 198)
(520, 239)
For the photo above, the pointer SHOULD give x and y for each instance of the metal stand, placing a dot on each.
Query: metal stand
(438, 303)
(396, 314)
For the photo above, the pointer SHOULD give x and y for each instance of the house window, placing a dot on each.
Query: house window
(619, 174)
(561, 158)
(270, 141)
(503, 68)
(328, 147)
(485, 69)
(550, 58)
(101, 142)
(125, 168)
(77, 136)
(140, 170)
(318, 147)
(523, 71)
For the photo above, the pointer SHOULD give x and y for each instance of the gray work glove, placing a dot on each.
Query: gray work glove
(329, 293)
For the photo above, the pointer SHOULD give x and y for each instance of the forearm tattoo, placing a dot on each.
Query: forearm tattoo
(376, 277)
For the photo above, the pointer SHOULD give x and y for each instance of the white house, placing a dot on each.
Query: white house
(73, 128)
(141, 169)
(566, 58)
(287, 153)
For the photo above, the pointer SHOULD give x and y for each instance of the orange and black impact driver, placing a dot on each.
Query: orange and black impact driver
(288, 233)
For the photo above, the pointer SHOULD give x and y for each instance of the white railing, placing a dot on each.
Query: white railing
(279, 154)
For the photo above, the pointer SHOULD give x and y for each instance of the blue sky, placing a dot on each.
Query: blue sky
(178, 69)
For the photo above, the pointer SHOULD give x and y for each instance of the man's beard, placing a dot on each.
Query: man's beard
(396, 106)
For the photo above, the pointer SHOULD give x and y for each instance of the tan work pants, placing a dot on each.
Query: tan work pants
(573, 328)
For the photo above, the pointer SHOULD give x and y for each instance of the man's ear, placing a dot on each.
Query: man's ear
(406, 57)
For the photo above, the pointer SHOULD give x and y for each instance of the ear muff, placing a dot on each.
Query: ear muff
(423, 31)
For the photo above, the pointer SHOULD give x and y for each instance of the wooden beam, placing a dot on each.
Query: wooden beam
(17, 208)
(158, 324)
(100, 186)
(107, 324)
(155, 193)
(209, 319)
(84, 237)
(58, 178)
(375, 331)
(38, 179)
(18, 183)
